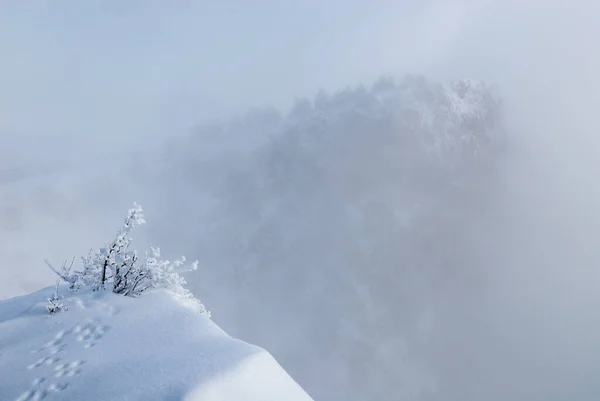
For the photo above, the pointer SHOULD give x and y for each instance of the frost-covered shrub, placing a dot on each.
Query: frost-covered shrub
(120, 268)
(54, 302)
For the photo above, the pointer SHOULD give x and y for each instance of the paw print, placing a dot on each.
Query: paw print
(33, 395)
(38, 393)
(52, 347)
(46, 360)
(90, 332)
(68, 369)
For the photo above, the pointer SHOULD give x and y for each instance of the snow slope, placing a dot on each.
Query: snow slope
(111, 347)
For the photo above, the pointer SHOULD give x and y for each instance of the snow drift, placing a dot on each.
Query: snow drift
(128, 329)
(105, 346)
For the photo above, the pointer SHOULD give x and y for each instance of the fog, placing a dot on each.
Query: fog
(94, 96)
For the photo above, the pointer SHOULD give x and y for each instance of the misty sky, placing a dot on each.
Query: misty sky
(119, 74)
(114, 72)
(113, 68)
(139, 68)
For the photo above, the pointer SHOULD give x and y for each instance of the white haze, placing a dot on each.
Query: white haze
(84, 83)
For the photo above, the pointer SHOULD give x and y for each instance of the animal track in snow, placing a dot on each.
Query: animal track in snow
(46, 360)
(38, 389)
(50, 362)
(103, 307)
(68, 369)
(32, 395)
(61, 334)
(57, 387)
(53, 347)
(38, 393)
(90, 332)
(109, 310)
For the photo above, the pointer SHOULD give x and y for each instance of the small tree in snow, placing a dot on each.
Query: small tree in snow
(54, 302)
(120, 268)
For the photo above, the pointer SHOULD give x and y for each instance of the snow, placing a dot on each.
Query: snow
(109, 347)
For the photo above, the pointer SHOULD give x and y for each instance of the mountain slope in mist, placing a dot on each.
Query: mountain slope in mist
(342, 222)
(110, 347)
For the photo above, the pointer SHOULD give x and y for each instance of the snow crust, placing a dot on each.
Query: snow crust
(110, 347)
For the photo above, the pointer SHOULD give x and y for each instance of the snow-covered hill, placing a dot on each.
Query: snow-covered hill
(110, 347)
